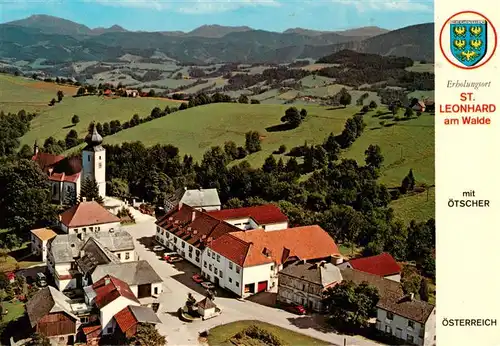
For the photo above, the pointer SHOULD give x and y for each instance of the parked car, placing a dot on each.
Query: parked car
(197, 278)
(296, 309)
(174, 259)
(158, 248)
(208, 285)
(167, 255)
(41, 280)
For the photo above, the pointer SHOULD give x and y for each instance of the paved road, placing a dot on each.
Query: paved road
(177, 284)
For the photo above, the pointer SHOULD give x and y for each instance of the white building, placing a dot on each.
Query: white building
(408, 319)
(268, 217)
(66, 175)
(88, 217)
(39, 240)
(73, 257)
(138, 275)
(383, 265)
(111, 296)
(248, 262)
(200, 199)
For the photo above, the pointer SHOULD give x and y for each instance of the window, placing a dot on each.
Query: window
(272, 267)
(230, 280)
(190, 249)
(175, 240)
(110, 329)
(210, 267)
(303, 287)
(183, 245)
(84, 230)
(205, 264)
(88, 158)
(409, 338)
(220, 273)
(127, 255)
(411, 324)
(54, 189)
(197, 253)
(230, 265)
(218, 258)
(237, 284)
(99, 157)
(76, 230)
(91, 229)
(157, 229)
(156, 290)
(84, 319)
(390, 316)
(100, 165)
(213, 255)
(119, 255)
(215, 271)
(388, 329)
(190, 255)
(237, 270)
(67, 188)
(208, 253)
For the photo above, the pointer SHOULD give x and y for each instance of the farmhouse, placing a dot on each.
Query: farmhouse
(67, 174)
(131, 93)
(50, 314)
(383, 265)
(139, 275)
(73, 257)
(200, 199)
(304, 283)
(268, 217)
(88, 217)
(129, 318)
(248, 262)
(406, 318)
(39, 240)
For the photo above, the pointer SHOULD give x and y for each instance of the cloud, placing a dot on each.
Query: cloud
(388, 5)
(188, 6)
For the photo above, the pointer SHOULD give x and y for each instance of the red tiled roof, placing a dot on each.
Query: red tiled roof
(125, 319)
(91, 329)
(106, 292)
(262, 214)
(256, 247)
(46, 160)
(58, 167)
(87, 213)
(382, 265)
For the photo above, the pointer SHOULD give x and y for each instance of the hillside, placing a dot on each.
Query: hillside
(37, 37)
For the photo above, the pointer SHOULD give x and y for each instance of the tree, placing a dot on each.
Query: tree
(344, 97)
(60, 95)
(231, 150)
(183, 106)
(408, 183)
(394, 108)
(118, 187)
(243, 99)
(408, 112)
(351, 306)
(252, 142)
(374, 157)
(410, 281)
(270, 164)
(303, 113)
(106, 129)
(99, 128)
(373, 104)
(147, 335)
(71, 139)
(75, 119)
(90, 191)
(190, 301)
(70, 198)
(424, 290)
(292, 117)
(255, 102)
(81, 91)
(332, 147)
(282, 149)
(52, 102)
(39, 339)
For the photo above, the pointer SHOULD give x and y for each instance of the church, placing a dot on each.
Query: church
(66, 174)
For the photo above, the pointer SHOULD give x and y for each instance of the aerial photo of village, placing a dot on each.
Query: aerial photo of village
(249, 173)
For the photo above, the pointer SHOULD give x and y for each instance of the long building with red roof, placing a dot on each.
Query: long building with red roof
(242, 260)
(383, 265)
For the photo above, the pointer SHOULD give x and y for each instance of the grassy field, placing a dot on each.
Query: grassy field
(18, 93)
(197, 129)
(221, 335)
(418, 67)
(56, 121)
(313, 81)
(15, 308)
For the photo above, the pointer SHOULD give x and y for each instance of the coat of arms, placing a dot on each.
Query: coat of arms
(468, 39)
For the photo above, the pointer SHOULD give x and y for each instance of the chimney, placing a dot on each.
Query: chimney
(304, 261)
(195, 232)
(50, 171)
(337, 259)
(84, 199)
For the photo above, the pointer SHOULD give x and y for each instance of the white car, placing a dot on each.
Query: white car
(158, 248)
(208, 285)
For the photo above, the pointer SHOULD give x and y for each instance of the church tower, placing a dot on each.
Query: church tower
(94, 160)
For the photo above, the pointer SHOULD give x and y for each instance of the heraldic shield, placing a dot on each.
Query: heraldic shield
(468, 39)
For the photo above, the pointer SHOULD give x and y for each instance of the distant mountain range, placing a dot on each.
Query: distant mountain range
(59, 40)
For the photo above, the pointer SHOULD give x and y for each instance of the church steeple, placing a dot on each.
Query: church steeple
(94, 159)
(93, 139)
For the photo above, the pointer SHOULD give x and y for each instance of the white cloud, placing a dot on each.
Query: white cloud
(390, 5)
(188, 6)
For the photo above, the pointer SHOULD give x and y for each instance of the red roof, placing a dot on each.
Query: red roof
(91, 329)
(262, 214)
(125, 319)
(87, 214)
(58, 167)
(381, 265)
(256, 247)
(110, 288)
(46, 160)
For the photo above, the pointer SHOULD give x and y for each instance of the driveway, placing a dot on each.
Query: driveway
(177, 284)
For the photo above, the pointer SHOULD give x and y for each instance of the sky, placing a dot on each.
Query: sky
(186, 15)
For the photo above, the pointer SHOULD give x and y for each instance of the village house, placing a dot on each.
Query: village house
(407, 318)
(383, 265)
(304, 283)
(110, 295)
(67, 174)
(268, 217)
(50, 314)
(138, 275)
(131, 93)
(129, 318)
(419, 106)
(200, 199)
(88, 217)
(207, 308)
(248, 262)
(73, 257)
(39, 240)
